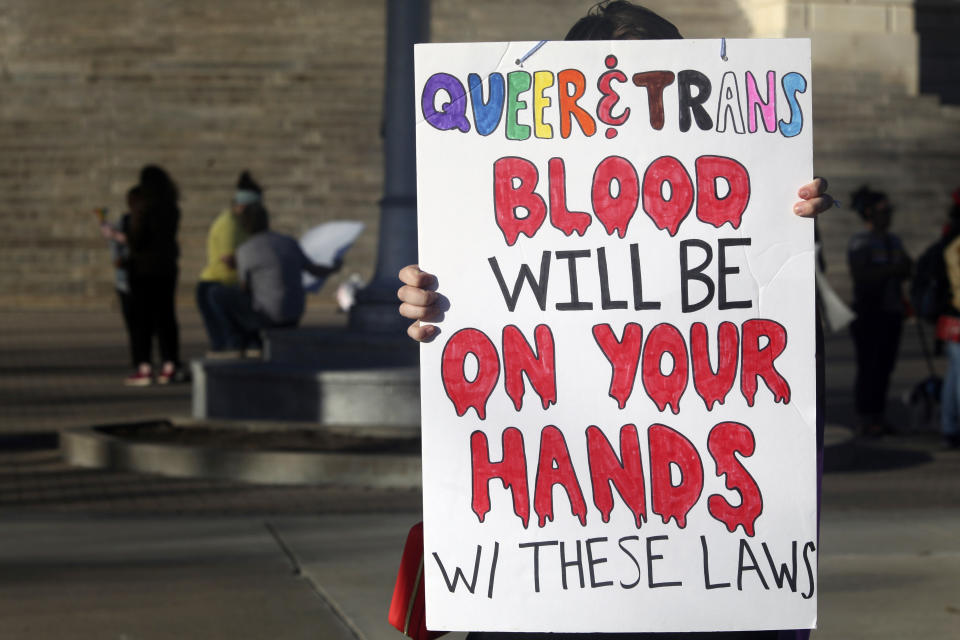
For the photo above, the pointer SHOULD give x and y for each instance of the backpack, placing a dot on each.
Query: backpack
(930, 289)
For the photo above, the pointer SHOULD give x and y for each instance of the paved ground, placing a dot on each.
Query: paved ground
(63, 369)
(91, 554)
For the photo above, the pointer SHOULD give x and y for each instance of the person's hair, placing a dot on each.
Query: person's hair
(246, 183)
(864, 199)
(134, 197)
(157, 187)
(621, 20)
(254, 218)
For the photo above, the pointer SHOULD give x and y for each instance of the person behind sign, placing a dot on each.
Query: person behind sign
(421, 303)
(879, 264)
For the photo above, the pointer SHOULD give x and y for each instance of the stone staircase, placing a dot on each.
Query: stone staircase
(91, 91)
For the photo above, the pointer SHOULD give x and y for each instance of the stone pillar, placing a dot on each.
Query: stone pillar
(376, 308)
(873, 36)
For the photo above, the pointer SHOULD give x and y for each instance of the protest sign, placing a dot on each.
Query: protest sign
(619, 409)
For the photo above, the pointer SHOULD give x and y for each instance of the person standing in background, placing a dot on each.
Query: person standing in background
(119, 252)
(225, 235)
(948, 330)
(879, 265)
(153, 272)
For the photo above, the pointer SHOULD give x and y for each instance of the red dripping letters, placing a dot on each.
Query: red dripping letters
(675, 474)
(666, 194)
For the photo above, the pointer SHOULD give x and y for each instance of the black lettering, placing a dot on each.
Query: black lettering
(723, 270)
(783, 574)
(687, 274)
(605, 301)
(536, 559)
(650, 559)
(706, 568)
(591, 563)
(753, 566)
(638, 302)
(539, 288)
(693, 103)
(571, 258)
(458, 574)
(578, 563)
(806, 561)
(493, 568)
(632, 557)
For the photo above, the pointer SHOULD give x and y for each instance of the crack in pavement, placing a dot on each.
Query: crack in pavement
(317, 588)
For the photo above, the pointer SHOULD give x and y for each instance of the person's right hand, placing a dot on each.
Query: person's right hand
(419, 300)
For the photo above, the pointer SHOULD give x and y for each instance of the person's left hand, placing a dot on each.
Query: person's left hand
(814, 199)
(419, 302)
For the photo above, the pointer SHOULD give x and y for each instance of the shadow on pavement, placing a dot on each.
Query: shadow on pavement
(860, 455)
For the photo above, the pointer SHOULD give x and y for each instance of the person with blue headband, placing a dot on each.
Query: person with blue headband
(225, 235)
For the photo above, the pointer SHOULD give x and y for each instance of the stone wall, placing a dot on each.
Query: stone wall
(90, 90)
(93, 89)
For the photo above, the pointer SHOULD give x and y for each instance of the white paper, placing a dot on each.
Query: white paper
(327, 243)
(512, 579)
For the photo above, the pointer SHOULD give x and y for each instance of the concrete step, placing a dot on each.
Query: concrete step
(340, 348)
(263, 390)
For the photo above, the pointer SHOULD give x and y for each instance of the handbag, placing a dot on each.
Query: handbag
(408, 606)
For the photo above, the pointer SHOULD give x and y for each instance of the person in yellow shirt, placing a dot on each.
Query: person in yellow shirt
(225, 235)
(948, 330)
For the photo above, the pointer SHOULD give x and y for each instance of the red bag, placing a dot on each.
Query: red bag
(948, 328)
(408, 607)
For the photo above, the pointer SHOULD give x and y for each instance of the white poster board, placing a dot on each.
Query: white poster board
(619, 410)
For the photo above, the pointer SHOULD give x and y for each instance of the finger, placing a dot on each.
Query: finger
(422, 332)
(813, 189)
(417, 312)
(413, 276)
(814, 206)
(416, 296)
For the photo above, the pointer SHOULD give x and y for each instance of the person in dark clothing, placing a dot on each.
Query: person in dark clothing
(152, 266)
(879, 265)
(420, 301)
(117, 235)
